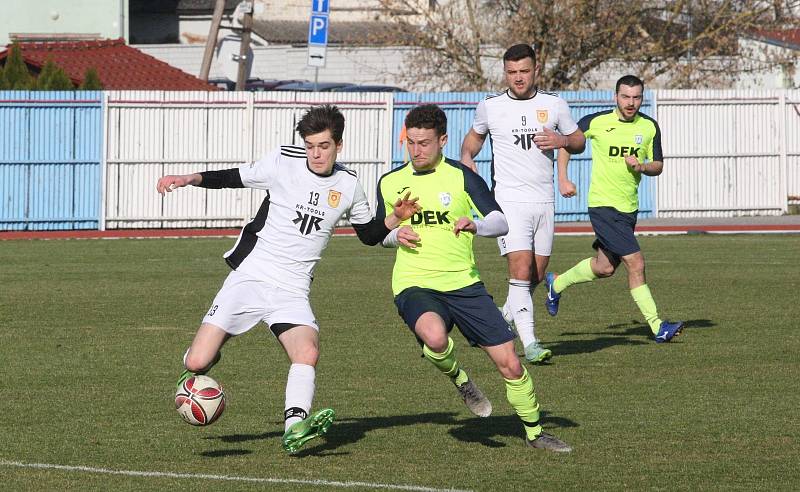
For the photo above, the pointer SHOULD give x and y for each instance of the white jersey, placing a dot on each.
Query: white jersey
(284, 241)
(520, 171)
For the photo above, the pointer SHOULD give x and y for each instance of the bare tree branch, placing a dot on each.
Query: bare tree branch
(682, 43)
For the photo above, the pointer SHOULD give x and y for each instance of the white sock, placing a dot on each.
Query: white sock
(520, 305)
(299, 391)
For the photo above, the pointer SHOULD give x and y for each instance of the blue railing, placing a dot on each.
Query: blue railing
(50, 160)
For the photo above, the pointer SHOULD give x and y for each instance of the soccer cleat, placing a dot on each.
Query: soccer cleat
(315, 425)
(183, 377)
(548, 442)
(551, 301)
(668, 330)
(475, 400)
(536, 353)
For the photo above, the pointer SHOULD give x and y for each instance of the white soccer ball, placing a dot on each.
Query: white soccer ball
(200, 400)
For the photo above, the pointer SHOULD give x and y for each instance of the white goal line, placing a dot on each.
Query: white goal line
(229, 478)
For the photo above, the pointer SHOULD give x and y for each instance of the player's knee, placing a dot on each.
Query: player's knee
(437, 343)
(511, 368)
(604, 270)
(307, 354)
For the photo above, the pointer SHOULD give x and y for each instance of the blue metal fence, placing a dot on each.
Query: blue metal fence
(50, 160)
(460, 110)
(51, 154)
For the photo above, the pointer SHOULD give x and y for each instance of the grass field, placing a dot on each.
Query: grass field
(94, 331)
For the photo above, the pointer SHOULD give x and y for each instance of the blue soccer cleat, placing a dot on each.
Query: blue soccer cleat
(668, 330)
(551, 301)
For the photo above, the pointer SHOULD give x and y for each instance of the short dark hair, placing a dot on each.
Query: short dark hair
(321, 118)
(630, 81)
(519, 52)
(427, 116)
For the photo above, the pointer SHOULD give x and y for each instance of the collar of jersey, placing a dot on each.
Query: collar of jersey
(535, 91)
(428, 171)
(321, 175)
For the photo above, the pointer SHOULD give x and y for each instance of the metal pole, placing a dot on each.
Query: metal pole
(247, 22)
(316, 78)
(211, 42)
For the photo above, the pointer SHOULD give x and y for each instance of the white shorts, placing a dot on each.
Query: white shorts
(243, 301)
(530, 227)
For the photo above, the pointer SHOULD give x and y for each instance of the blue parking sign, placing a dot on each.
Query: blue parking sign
(318, 29)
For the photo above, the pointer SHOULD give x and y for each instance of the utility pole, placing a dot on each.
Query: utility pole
(247, 23)
(211, 42)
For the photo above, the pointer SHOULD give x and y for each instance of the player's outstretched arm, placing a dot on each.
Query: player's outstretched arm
(472, 144)
(171, 182)
(565, 186)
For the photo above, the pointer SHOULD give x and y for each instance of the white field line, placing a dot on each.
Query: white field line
(228, 478)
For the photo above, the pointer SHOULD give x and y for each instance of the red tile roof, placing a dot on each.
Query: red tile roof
(787, 38)
(120, 67)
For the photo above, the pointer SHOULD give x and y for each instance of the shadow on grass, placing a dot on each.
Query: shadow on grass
(221, 453)
(351, 430)
(485, 430)
(614, 335)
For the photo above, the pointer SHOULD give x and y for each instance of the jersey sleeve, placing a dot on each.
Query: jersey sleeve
(566, 124)
(479, 193)
(481, 122)
(584, 124)
(654, 150)
(261, 174)
(381, 205)
(359, 211)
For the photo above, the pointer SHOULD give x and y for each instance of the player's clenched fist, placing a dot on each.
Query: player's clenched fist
(169, 183)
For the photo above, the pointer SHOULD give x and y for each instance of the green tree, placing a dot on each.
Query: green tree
(16, 72)
(54, 80)
(91, 81)
(3, 81)
(43, 80)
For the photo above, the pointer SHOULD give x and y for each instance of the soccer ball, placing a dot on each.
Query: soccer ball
(200, 400)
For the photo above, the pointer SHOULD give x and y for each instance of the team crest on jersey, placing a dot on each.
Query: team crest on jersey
(444, 197)
(334, 197)
(541, 115)
(638, 139)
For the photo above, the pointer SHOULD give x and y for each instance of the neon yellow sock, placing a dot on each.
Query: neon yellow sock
(580, 273)
(446, 362)
(521, 395)
(641, 295)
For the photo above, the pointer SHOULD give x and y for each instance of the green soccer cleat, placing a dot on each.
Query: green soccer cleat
(183, 377)
(535, 353)
(315, 425)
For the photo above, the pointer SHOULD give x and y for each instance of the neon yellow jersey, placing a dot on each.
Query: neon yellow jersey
(614, 183)
(449, 191)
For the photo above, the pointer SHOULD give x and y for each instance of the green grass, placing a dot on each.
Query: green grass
(94, 331)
